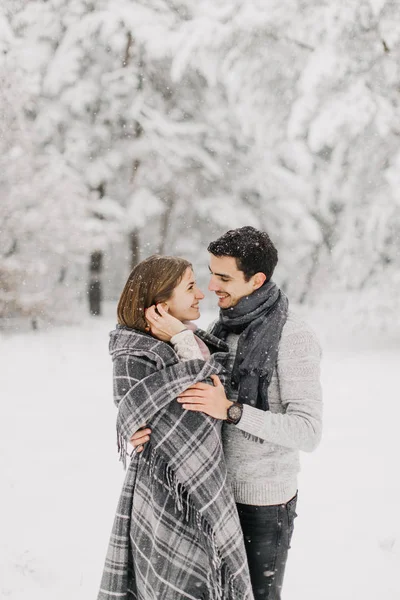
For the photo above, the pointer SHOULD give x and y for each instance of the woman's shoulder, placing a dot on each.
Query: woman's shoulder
(212, 341)
(127, 341)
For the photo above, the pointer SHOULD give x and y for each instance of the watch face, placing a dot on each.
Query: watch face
(235, 412)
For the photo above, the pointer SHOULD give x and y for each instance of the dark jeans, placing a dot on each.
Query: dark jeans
(267, 534)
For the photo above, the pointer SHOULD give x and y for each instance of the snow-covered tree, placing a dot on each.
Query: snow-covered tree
(42, 210)
(313, 88)
(108, 101)
(183, 119)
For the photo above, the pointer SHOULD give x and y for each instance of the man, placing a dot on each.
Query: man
(272, 406)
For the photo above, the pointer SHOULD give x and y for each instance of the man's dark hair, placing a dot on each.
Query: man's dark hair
(253, 250)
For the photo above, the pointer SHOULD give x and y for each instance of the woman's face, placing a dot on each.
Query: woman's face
(184, 302)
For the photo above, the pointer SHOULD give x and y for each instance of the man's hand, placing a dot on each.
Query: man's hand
(208, 399)
(163, 326)
(140, 438)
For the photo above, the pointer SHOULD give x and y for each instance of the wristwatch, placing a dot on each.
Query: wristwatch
(234, 413)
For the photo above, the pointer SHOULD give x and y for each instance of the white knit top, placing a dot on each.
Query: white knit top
(263, 466)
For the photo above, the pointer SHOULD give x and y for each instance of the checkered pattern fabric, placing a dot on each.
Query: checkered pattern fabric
(176, 533)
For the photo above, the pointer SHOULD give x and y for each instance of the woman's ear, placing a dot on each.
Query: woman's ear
(165, 306)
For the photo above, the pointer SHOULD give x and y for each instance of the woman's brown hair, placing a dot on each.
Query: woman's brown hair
(152, 281)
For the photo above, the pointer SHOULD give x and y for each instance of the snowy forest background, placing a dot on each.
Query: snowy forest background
(130, 127)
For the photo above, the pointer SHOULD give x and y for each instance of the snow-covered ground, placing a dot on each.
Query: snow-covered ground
(61, 477)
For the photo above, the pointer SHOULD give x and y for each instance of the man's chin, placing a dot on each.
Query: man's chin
(224, 302)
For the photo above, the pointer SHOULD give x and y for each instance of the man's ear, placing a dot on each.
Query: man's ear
(259, 280)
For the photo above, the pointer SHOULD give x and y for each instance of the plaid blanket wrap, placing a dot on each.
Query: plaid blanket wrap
(176, 533)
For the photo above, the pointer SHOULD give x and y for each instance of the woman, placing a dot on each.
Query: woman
(176, 533)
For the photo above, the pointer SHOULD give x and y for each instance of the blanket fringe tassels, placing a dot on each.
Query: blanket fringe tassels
(252, 438)
(122, 446)
(220, 582)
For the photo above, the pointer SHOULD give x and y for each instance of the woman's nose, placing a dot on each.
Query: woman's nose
(199, 294)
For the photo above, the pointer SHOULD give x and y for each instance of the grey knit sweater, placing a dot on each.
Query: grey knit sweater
(263, 471)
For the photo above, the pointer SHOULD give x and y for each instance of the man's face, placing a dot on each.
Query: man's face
(229, 283)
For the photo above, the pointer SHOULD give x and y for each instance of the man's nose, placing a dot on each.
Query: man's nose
(212, 286)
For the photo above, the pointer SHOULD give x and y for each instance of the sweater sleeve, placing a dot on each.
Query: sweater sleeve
(300, 425)
(185, 345)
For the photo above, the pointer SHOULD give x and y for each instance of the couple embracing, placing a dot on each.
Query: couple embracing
(216, 420)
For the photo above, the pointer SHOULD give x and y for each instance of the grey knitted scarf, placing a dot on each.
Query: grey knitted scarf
(259, 319)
